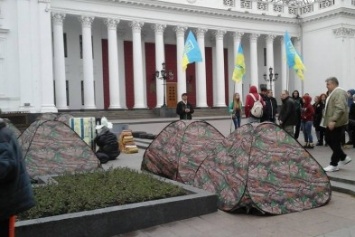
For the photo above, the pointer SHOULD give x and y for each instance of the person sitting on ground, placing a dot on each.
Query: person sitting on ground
(106, 141)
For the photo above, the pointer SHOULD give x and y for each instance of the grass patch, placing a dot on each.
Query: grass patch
(89, 191)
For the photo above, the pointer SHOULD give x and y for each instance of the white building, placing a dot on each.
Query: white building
(103, 54)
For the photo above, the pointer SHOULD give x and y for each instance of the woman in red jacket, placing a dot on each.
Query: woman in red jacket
(307, 121)
(249, 102)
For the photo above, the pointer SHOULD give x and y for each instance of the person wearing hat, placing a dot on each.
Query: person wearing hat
(16, 194)
(106, 141)
(184, 109)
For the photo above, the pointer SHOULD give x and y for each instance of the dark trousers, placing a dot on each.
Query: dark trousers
(4, 228)
(297, 131)
(333, 139)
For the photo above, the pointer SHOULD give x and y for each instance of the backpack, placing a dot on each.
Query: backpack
(258, 108)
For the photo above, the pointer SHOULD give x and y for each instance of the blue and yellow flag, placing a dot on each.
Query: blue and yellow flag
(192, 52)
(293, 58)
(239, 68)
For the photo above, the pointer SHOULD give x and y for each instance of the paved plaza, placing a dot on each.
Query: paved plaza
(337, 218)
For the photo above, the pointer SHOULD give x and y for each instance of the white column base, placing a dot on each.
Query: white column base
(89, 107)
(115, 107)
(63, 108)
(48, 109)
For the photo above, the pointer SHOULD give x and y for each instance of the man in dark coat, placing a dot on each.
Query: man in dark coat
(266, 111)
(107, 143)
(287, 118)
(16, 193)
(272, 106)
(184, 109)
(299, 104)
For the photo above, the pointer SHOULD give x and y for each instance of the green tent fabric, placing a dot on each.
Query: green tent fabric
(51, 147)
(257, 166)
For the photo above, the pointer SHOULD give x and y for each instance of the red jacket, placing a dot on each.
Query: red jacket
(249, 101)
(307, 109)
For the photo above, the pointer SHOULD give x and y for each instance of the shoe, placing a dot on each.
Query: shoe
(349, 143)
(319, 144)
(346, 160)
(331, 168)
(310, 145)
(306, 145)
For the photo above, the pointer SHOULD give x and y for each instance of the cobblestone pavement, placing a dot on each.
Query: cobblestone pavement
(334, 219)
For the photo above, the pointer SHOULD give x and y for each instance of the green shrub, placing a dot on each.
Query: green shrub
(89, 191)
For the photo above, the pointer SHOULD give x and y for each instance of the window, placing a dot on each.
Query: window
(229, 3)
(265, 57)
(65, 45)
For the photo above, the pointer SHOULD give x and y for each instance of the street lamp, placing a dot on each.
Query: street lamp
(163, 75)
(272, 77)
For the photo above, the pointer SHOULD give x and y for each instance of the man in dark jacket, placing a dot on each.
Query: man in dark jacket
(184, 109)
(298, 103)
(16, 193)
(272, 106)
(266, 111)
(287, 118)
(107, 143)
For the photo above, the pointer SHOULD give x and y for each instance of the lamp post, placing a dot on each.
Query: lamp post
(272, 77)
(163, 75)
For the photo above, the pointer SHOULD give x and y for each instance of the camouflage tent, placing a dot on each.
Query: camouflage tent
(51, 147)
(257, 166)
(59, 117)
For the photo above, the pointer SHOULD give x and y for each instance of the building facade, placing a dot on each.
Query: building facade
(104, 54)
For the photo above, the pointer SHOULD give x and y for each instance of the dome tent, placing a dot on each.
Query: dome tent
(257, 166)
(51, 147)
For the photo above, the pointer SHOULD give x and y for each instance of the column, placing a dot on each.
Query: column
(159, 59)
(298, 84)
(59, 62)
(88, 68)
(180, 42)
(201, 92)
(219, 84)
(121, 71)
(139, 98)
(237, 37)
(46, 60)
(254, 81)
(114, 87)
(284, 71)
(270, 58)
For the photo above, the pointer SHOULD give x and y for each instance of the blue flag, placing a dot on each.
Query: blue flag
(192, 52)
(239, 68)
(293, 58)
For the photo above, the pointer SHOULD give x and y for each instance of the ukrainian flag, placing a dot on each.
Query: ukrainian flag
(293, 58)
(192, 52)
(239, 68)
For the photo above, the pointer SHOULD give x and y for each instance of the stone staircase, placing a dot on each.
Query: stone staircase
(145, 113)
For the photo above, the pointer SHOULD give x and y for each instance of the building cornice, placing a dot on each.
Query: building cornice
(329, 14)
(200, 10)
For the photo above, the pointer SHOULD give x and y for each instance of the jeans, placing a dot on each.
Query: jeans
(307, 131)
(333, 139)
(236, 121)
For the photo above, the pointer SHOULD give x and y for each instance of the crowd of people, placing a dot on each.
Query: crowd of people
(330, 114)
